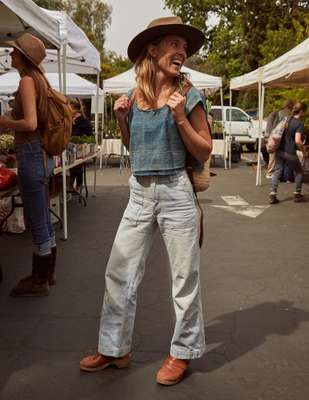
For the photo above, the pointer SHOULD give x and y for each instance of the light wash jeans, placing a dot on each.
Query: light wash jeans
(166, 202)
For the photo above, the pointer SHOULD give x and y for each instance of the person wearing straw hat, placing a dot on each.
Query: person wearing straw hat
(28, 116)
(160, 121)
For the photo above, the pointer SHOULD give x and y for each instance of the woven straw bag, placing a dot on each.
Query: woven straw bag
(200, 179)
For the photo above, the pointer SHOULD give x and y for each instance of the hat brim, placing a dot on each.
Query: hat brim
(194, 37)
(11, 43)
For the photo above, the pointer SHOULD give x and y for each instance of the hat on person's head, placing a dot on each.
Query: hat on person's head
(163, 27)
(31, 47)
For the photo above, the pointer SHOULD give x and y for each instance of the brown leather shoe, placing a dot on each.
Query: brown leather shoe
(97, 362)
(172, 371)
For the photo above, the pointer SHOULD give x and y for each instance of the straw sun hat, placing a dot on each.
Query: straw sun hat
(31, 47)
(162, 27)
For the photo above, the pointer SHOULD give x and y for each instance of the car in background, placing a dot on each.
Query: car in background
(244, 129)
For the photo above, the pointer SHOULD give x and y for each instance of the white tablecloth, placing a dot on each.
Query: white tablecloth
(113, 146)
(218, 147)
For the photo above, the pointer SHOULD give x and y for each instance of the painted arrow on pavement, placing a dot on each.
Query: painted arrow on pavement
(238, 205)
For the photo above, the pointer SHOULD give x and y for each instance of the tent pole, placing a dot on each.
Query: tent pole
(102, 137)
(257, 180)
(64, 163)
(102, 109)
(64, 68)
(223, 125)
(96, 123)
(262, 117)
(261, 112)
(112, 114)
(59, 69)
(96, 115)
(230, 131)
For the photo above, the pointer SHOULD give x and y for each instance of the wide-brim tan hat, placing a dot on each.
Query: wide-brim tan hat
(162, 27)
(31, 47)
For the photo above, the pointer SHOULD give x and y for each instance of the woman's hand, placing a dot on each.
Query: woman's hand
(176, 102)
(122, 107)
(3, 122)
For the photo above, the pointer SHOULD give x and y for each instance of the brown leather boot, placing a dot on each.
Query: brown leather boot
(34, 269)
(172, 371)
(97, 362)
(38, 284)
(52, 272)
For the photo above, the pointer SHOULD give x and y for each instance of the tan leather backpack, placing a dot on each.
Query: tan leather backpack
(57, 128)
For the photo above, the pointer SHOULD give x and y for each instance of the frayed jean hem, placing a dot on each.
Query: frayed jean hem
(113, 352)
(186, 355)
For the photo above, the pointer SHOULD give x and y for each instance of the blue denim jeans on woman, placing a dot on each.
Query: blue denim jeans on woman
(166, 202)
(33, 182)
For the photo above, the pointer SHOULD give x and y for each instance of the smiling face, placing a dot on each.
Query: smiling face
(170, 54)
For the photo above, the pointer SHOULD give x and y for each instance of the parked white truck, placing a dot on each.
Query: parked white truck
(244, 129)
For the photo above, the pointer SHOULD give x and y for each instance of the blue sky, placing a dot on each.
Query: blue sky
(129, 17)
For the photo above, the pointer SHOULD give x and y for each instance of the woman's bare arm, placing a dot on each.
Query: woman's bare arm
(122, 108)
(28, 96)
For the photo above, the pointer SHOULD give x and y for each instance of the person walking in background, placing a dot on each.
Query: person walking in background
(291, 141)
(162, 120)
(29, 114)
(272, 121)
(81, 126)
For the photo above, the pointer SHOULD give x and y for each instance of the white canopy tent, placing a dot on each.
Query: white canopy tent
(76, 85)
(82, 56)
(289, 70)
(20, 16)
(78, 54)
(74, 63)
(122, 83)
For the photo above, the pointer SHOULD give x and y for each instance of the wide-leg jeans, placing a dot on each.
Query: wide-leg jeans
(166, 202)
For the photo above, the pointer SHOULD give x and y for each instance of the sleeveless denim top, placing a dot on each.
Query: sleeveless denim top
(156, 146)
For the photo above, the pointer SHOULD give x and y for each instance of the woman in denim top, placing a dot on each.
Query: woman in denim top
(158, 125)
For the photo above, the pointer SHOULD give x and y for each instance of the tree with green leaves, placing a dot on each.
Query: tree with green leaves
(112, 64)
(93, 17)
(240, 41)
(247, 33)
(50, 4)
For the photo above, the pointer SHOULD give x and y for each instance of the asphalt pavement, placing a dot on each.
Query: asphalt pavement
(255, 281)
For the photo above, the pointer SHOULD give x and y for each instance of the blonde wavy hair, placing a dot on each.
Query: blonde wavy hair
(145, 69)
